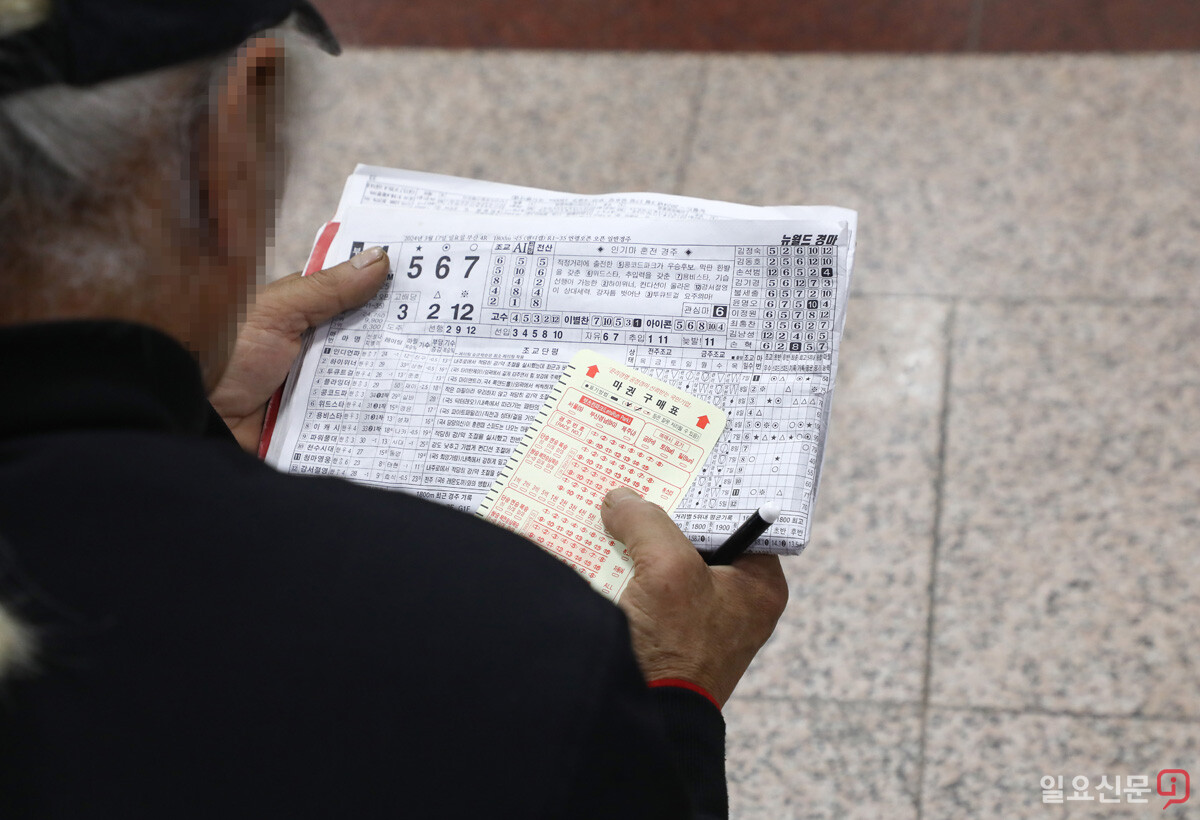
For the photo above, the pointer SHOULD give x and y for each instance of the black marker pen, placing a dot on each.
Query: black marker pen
(745, 535)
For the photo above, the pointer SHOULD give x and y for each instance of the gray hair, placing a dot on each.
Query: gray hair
(58, 141)
(71, 158)
(65, 160)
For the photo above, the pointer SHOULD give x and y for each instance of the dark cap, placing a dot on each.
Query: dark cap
(82, 42)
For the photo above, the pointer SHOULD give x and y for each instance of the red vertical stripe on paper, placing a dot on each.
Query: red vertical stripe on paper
(316, 260)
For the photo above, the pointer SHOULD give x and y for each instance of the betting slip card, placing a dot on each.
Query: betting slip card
(604, 425)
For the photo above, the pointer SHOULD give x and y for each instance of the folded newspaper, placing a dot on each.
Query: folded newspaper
(430, 387)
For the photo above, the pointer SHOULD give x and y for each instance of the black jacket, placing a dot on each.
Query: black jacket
(221, 640)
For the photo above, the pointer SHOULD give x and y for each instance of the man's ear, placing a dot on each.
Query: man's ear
(243, 162)
(237, 180)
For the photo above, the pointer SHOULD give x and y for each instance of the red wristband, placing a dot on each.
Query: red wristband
(679, 683)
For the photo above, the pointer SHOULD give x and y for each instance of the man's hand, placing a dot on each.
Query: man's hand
(269, 340)
(690, 621)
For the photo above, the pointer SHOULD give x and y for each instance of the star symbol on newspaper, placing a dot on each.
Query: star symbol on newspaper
(418, 247)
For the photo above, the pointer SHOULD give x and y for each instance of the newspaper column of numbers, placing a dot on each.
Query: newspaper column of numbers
(337, 407)
(821, 273)
(429, 395)
(779, 332)
(720, 484)
(798, 320)
(331, 424)
(748, 306)
(397, 456)
(366, 327)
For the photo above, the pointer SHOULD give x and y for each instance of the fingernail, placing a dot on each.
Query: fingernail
(617, 495)
(368, 257)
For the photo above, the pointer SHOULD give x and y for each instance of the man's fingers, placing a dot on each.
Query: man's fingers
(298, 302)
(638, 523)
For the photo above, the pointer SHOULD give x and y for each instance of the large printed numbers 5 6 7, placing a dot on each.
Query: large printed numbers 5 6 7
(442, 269)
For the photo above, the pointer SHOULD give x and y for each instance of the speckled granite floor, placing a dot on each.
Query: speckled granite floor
(1004, 579)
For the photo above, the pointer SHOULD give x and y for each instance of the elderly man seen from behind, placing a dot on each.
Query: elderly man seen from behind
(187, 633)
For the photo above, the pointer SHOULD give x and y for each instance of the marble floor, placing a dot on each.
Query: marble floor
(1004, 577)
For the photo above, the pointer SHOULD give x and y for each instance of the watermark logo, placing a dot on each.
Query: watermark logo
(1172, 777)
(1174, 784)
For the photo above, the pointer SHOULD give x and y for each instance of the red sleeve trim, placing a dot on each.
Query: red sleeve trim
(685, 684)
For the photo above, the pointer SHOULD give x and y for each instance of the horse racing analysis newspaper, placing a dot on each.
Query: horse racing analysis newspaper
(493, 289)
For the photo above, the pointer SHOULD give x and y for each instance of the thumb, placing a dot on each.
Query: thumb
(644, 527)
(300, 302)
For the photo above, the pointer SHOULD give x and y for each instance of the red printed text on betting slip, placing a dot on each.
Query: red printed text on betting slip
(604, 425)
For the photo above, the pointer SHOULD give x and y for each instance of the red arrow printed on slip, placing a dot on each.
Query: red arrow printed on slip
(592, 371)
(702, 422)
